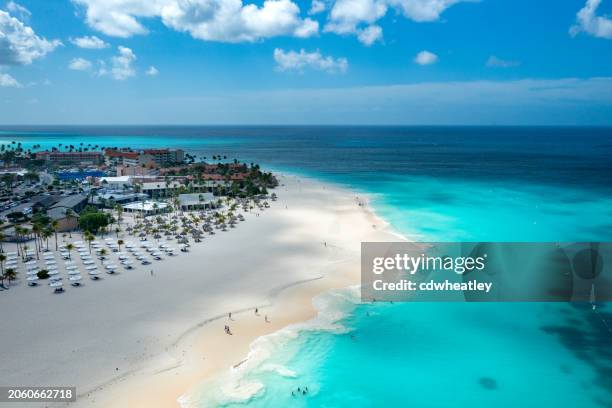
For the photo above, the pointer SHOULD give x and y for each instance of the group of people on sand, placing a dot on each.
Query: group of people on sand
(229, 316)
(299, 391)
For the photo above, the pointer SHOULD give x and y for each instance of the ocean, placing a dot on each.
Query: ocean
(433, 184)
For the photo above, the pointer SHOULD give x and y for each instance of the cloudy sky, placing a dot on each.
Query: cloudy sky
(306, 62)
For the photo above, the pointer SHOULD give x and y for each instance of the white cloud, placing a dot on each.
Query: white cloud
(80, 64)
(495, 62)
(152, 71)
(298, 61)
(231, 21)
(18, 10)
(317, 6)
(8, 81)
(119, 18)
(589, 22)
(19, 44)
(121, 66)
(350, 16)
(370, 34)
(426, 58)
(89, 42)
(211, 20)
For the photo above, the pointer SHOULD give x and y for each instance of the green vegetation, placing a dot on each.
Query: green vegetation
(92, 220)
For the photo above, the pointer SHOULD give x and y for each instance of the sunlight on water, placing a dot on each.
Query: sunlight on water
(446, 184)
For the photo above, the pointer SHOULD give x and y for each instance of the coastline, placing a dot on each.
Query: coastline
(316, 239)
(289, 306)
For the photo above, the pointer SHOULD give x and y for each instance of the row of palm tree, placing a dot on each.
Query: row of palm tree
(6, 274)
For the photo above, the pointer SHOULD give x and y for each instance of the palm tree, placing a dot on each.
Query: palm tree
(36, 229)
(103, 252)
(119, 209)
(69, 213)
(10, 274)
(69, 247)
(2, 237)
(119, 243)
(2, 259)
(55, 226)
(47, 233)
(89, 237)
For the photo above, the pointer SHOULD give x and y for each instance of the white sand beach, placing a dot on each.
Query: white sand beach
(139, 340)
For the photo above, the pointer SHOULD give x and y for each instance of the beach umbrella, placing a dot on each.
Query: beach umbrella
(91, 267)
(74, 272)
(72, 267)
(75, 278)
(50, 262)
(56, 284)
(53, 272)
(30, 263)
(32, 278)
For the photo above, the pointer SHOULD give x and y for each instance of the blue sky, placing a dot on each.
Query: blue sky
(303, 62)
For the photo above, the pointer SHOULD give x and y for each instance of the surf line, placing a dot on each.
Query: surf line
(407, 285)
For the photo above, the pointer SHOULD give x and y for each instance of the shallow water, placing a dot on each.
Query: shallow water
(446, 184)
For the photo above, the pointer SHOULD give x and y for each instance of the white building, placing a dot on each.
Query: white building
(116, 183)
(146, 207)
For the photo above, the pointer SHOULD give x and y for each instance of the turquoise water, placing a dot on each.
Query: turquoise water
(446, 184)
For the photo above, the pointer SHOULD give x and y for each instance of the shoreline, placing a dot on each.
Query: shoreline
(192, 370)
(314, 231)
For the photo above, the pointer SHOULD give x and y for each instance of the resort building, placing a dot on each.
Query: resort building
(65, 221)
(76, 203)
(116, 183)
(127, 170)
(164, 157)
(143, 158)
(146, 207)
(113, 157)
(71, 157)
(160, 188)
(108, 198)
(167, 188)
(43, 202)
(196, 201)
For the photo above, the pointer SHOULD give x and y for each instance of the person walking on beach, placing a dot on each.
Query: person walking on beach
(256, 311)
(151, 272)
(266, 319)
(230, 315)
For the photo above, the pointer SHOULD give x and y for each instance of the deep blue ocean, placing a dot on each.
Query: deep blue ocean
(438, 184)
